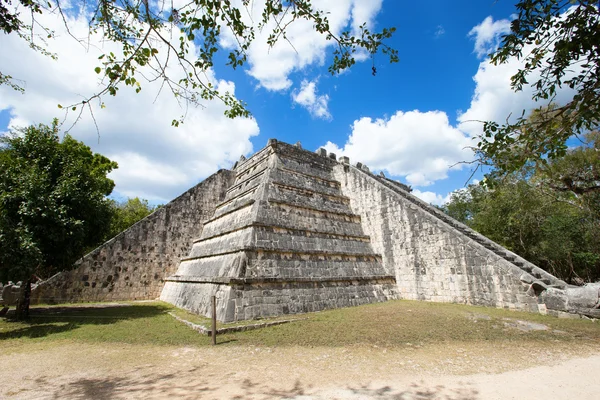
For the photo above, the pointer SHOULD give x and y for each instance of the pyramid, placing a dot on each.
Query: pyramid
(283, 241)
(290, 231)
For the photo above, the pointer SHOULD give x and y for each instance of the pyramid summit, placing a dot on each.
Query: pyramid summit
(290, 231)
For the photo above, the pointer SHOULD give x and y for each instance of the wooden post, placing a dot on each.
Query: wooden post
(214, 320)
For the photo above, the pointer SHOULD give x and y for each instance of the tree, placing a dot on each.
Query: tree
(52, 204)
(157, 35)
(127, 213)
(577, 169)
(551, 229)
(559, 44)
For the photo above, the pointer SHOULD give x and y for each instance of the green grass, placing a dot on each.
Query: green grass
(391, 324)
(142, 323)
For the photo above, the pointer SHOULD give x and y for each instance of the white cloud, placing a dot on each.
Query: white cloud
(493, 98)
(304, 46)
(431, 197)
(308, 98)
(156, 161)
(420, 146)
(487, 35)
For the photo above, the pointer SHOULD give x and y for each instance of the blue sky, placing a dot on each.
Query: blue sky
(410, 120)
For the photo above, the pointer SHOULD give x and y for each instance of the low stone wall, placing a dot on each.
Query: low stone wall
(431, 260)
(133, 265)
(242, 301)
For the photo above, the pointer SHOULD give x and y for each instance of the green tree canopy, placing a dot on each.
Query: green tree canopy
(558, 231)
(127, 213)
(558, 42)
(53, 202)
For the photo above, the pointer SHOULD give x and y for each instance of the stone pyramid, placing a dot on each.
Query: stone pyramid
(290, 231)
(284, 240)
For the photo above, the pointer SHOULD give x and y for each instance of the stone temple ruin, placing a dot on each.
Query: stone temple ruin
(291, 231)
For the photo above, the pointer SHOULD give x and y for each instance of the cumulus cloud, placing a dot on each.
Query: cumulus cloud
(419, 146)
(308, 98)
(432, 197)
(156, 160)
(493, 98)
(487, 35)
(303, 46)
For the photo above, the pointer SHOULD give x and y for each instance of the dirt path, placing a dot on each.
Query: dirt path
(452, 371)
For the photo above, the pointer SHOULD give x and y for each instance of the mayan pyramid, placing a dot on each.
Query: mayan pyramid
(284, 240)
(290, 231)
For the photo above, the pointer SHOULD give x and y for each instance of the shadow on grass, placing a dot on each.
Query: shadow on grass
(36, 331)
(192, 384)
(45, 321)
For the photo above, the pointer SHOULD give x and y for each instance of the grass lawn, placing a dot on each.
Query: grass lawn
(394, 324)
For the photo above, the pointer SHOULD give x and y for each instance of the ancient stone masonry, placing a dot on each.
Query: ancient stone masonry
(290, 231)
(436, 258)
(134, 264)
(284, 240)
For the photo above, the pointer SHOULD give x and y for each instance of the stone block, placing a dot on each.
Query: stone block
(322, 152)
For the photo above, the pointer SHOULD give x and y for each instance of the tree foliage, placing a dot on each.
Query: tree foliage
(127, 213)
(576, 170)
(158, 36)
(558, 42)
(557, 231)
(52, 202)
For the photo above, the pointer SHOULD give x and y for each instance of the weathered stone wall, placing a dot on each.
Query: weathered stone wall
(430, 259)
(133, 265)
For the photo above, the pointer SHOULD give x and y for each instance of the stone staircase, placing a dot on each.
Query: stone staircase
(536, 274)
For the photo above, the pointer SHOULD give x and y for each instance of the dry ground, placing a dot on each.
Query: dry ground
(525, 367)
(83, 371)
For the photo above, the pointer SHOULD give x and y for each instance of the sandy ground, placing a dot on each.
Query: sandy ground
(450, 371)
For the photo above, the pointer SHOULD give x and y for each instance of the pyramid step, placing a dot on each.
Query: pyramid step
(249, 178)
(269, 239)
(288, 178)
(290, 230)
(321, 209)
(335, 197)
(246, 166)
(302, 218)
(291, 253)
(239, 207)
(331, 182)
(321, 164)
(236, 197)
(258, 280)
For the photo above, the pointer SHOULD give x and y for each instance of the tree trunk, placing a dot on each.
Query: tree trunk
(22, 311)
